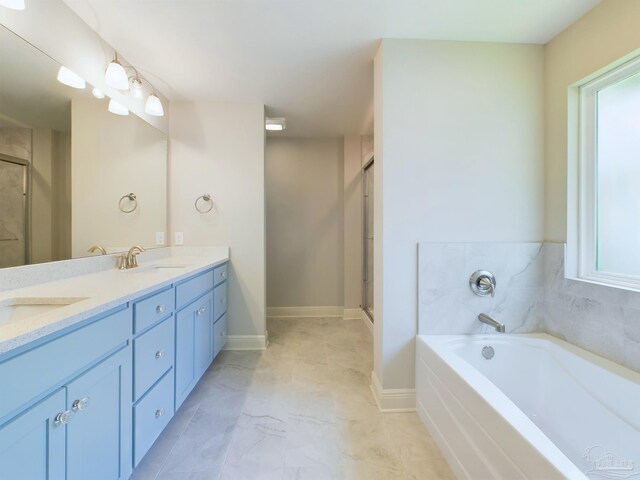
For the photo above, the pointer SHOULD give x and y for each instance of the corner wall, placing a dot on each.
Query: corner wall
(605, 35)
(218, 148)
(459, 150)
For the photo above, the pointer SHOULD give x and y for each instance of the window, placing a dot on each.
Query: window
(607, 237)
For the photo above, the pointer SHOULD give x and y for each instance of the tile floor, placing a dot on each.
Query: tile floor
(302, 409)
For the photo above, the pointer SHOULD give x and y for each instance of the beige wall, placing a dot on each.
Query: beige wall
(459, 151)
(112, 156)
(352, 221)
(304, 187)
(605, 35)
(218, 148)
(61, 194)
(44, 154)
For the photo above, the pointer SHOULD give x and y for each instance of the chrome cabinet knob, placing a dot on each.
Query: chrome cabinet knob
(160, 308)
(159, 354)
(80, 404)
(223, 334)
(223, 274)
(159, 412)
(62, 418)
(224, 300)
(200, 311)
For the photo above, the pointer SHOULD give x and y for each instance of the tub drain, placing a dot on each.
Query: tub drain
(488, 352)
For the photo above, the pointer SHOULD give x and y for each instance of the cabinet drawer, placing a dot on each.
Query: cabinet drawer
(153, 355)
(219, 335)
(148, 311)
(220, 274)
(219, 301)
(193, 288)
(151, 415)
(32, 373)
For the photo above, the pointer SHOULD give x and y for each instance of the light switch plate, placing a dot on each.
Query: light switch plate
(179, 238)
(159, 238)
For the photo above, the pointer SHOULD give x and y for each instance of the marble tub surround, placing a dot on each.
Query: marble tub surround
(601, 319)
(532, 295)
(103, 289)
(302, 409)
(448, 306)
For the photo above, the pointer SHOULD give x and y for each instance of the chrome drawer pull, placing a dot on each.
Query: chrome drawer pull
(80, 404)
(159, 412)
(62, 418)
(160, 308)
(159, 354)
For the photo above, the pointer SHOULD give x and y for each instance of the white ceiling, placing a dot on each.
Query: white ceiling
(308, 60)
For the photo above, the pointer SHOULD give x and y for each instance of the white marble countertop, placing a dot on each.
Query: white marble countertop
(103, 290)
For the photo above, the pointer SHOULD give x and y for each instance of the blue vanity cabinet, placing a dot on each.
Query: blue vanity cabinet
(65, 412)
(219, 309)
(194, 344)
(32, 447)
(153, 363)
(99, 429)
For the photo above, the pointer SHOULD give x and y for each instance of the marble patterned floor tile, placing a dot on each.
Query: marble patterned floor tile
(302, 409)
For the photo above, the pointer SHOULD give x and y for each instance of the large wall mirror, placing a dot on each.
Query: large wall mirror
(72, 174)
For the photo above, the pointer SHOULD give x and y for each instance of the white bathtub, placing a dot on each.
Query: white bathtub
(539, 409)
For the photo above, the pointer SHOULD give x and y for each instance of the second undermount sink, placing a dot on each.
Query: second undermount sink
(167, 267)
(22, 308)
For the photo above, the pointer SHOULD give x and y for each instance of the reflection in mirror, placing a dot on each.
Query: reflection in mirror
(66, 163)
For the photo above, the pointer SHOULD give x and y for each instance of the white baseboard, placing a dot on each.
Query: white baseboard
(351, 313)
(246, 342)
(393, 399)
(304, 312)
(367, 321)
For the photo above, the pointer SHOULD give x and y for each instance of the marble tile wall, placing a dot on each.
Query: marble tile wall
(446, 303)
(532, 295)
(601, 319)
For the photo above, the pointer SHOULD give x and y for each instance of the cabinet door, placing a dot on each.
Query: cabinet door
(204, 334)
(32, 446)
(194, 345)
(99, 433)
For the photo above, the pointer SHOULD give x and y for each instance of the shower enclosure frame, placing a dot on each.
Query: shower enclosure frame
(26, 198)
(366, 205)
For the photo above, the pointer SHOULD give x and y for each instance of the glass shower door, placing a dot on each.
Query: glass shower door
(13, 212)
(367, 287)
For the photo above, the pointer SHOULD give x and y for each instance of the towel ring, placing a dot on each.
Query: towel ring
(207, 199)
(132, 198)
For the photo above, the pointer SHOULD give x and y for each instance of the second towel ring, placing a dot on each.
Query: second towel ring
(132, 198)
(208, 200)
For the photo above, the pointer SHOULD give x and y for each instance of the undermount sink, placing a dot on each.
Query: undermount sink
(157, 268)
(17, 309)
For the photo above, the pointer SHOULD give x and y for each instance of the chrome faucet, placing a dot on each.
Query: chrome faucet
(487, 320)
(131, 260)
(97, 248)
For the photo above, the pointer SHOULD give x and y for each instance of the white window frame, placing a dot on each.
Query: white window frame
(582, 183)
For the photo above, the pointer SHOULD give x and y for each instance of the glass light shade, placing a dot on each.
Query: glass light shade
(274, 128)
(117, 108)
(67, 77)
(13, 4)
(153, 106)
(116, 77)
(99, 94)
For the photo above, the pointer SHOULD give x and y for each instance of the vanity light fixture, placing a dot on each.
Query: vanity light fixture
(115, 76)
(275, 124)
(70, 79)
(117, 108)
(99, 94)
(153, 106)
(13, 4)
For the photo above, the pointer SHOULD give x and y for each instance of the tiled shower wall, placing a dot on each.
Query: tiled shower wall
(532, 295)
